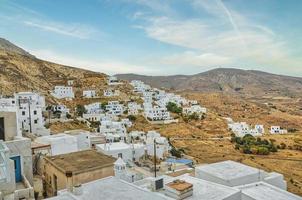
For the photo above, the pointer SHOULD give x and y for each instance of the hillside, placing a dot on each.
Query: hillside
(225, 80)
(20, 71)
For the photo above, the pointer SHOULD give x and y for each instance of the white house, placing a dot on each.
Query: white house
(30, 106)
(126, 122)
(112, 80)
(277, 130)
(128, 152)
(63, 92)
(139, 86)
(242, 128)
(162, 144)
(134, 108)
(94, 108)
(89, 93)
(157, 113)
(136, 136)
(260, 128)
(115, 108)
(16, 169)
(114, 131)
(94, 117)
(86, 139)
(194, 109)
(62, 109)
(111, 93)
(60, 143)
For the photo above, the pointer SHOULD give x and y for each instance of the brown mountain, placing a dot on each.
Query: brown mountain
(226, 80)
(21, 71)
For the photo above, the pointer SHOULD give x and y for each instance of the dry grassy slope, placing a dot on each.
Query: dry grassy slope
(23, 73)
(252, 112)
(199, 139)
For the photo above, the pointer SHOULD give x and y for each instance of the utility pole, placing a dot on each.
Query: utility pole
(154, 157)
(30, 129)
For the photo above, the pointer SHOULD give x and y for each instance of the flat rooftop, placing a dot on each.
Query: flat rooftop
(264, 191)
(110, 188)
(81, 161)
(118, 146)
(202, 190)
(228, 170)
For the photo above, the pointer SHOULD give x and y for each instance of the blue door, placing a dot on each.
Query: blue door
(17, 163)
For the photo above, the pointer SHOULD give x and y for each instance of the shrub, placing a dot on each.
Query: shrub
(194, 116)
(80, 110)
(172, 107)
(131, 117)
(263, 151)
(68, 116)
(246, 149)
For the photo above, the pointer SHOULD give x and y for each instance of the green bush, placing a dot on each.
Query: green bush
(172, 107)
(80, 110)
(263, 151)
(131, 118)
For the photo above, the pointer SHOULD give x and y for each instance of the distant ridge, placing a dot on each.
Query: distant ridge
(226, 80)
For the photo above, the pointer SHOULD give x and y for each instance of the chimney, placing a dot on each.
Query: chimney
(179, 189)
(77, 190)
(69, 181)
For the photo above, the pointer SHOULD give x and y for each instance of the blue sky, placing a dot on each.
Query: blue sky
(159, 37)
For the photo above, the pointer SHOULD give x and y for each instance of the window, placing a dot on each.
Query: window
(35, 112)
(23, 112)
(36, 121)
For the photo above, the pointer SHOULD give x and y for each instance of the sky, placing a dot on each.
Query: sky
(159, 37)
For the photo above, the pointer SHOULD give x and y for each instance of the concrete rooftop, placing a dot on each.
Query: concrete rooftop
(202, 190)
(228, 170)
(264, 191)
(110, 188)
(81, 161)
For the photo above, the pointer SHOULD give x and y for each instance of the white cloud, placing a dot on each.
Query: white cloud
(227, 36)
(105, 66)
(190, 58)
(74, 30)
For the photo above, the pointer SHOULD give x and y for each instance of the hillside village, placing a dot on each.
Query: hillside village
(110, 148)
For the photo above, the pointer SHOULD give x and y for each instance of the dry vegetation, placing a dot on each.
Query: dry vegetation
(60, 127)
(207, 140)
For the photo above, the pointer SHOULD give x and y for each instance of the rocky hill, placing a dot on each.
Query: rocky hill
(21, 71)
(227, 80)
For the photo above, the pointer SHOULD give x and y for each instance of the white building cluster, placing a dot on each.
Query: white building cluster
(135, 145)
(29, 108)
(111, 93)
(89, 94)
(63, 92)
(156, 101)
(219, 181)
(277, 130)
(242, 128)
(134, 108)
